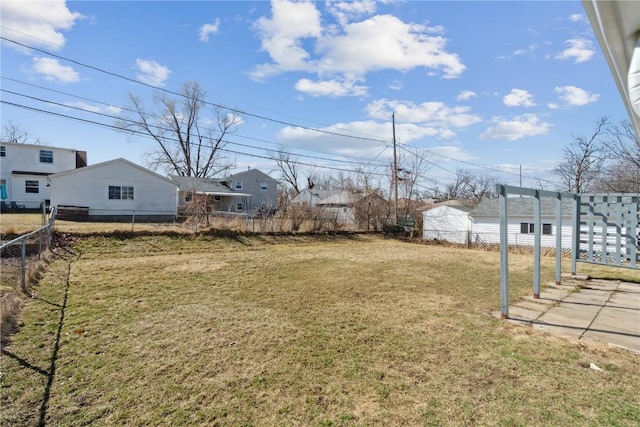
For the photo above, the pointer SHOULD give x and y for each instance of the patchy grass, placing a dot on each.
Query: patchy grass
(15, 224)
(325, 331)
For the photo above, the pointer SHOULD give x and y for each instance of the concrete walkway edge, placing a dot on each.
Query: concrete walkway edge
(598, 311)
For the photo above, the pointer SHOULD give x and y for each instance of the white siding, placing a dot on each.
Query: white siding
(340, 213)
(487, 230)
(21, 158)
(446, 223)
(153, 195)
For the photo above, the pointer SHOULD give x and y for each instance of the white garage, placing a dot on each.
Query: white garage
(450, 223)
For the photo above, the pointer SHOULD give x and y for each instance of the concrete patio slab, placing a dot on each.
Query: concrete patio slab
(598, 311)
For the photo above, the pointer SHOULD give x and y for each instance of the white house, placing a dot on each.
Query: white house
(450, 223)
(337, 204)
(485, 222)
(24, 169)
(114, 189)
(251, 191)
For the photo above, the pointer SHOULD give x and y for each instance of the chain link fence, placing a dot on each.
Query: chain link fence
(21, 263)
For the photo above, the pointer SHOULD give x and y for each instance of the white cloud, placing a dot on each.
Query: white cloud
(520, 127)
(575, 96)
(345, 11)
(53, 71)
(296, 40)
(282, 36)
(386, 42)
(432, 120)
(331, 88)
(518, 98)
(357, 147)
(37, 23)
(207, 29)
(577, 17)
(435, 114)
(93, 108)
(396, 85)
(466, 95)
(152, 73)
(580, 50)
(336, 144)
(451, 153)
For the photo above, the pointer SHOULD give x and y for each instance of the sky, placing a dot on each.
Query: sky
(494, 88)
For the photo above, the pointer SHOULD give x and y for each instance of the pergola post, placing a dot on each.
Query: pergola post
(504, 254)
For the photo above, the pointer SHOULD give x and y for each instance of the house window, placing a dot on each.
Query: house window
(120, 192)
(127, 193)
(3, 151)
(31, 186)
(529, 228)
(188, 197)
(263, 186)
(46, 156)
(238, 185)
(239, 207)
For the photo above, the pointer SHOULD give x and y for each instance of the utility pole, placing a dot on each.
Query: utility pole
(395, 168)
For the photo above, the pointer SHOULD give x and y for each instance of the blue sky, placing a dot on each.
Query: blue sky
(490, 87)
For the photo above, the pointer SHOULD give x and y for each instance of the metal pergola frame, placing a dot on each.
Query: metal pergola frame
(629, 213)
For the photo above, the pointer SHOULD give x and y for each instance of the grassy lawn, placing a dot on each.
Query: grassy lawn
(19, 223)
(320, 331)
(22, 223)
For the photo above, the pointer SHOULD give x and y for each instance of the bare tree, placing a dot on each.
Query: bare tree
(289, 170)
(624, 143)
(469, 188)
(371, 205)
(184, 145)
(479, 188)
(456, 189)
(16, 134)
(413, 167)
(622, 173)
(582, 163)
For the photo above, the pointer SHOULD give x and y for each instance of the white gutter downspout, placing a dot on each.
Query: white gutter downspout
(633, 78)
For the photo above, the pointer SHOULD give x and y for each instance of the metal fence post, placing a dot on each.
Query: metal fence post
(40, 244)
(23, 266)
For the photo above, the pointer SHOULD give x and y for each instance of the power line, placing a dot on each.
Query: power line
(133, 111)
(166, 129)
(384, 142)
(142, 134)
(234, 110)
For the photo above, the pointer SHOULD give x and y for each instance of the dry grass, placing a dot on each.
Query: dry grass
(349, 330)
(14, 224)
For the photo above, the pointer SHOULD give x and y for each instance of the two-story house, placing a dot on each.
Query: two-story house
(24, 169)
(250, 192)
